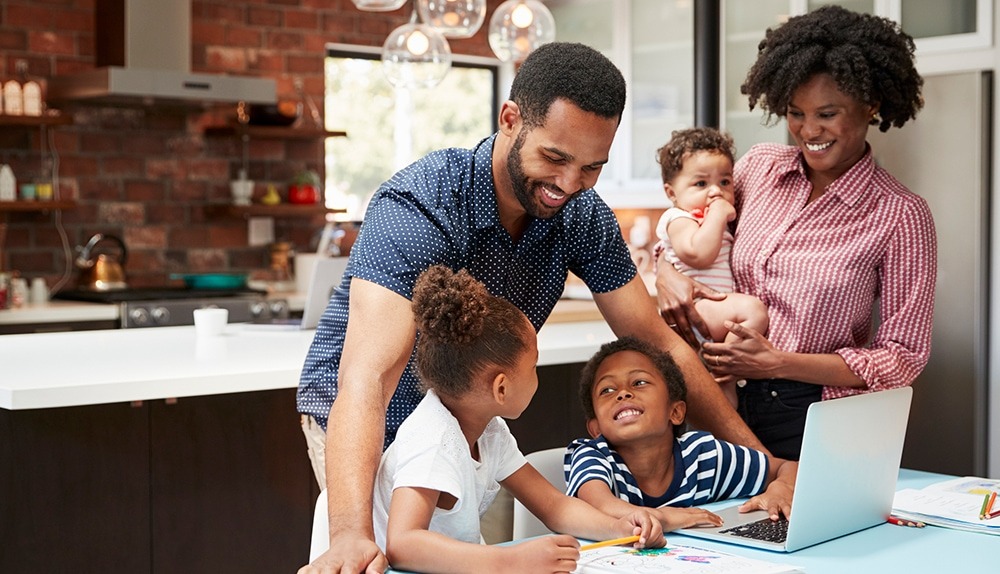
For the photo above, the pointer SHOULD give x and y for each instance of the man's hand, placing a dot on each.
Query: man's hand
(349, 555)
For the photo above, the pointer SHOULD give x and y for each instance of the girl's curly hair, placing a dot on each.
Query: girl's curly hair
(869, 57)
(685, 142)
(464, 330)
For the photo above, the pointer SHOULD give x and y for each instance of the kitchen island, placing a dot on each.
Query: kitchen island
(152, 450)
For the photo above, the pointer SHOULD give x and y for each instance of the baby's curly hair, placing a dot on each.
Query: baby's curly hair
(464, 330)
(662, 360)
(869, 57)
(685, 142)
(571, 71)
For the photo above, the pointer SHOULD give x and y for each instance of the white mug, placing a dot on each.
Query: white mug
(210, 321)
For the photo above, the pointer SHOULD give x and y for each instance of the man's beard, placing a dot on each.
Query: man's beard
(526, 192)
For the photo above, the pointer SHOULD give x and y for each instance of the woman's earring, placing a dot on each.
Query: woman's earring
(876, 119)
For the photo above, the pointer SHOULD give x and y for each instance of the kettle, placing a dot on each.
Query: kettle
(101, 272)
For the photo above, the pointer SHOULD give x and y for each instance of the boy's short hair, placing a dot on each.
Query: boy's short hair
(662, 360)
(683, 142)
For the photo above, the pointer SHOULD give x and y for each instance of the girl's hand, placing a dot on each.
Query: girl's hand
(750, 357)
(675, 297)
(672, 518)
(544, 555)
(643, 523)
(721, 208)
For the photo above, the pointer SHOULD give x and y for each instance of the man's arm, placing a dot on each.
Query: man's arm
(630, 310)
(378, 344)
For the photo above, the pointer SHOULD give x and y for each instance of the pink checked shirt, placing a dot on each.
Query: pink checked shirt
(820, 268)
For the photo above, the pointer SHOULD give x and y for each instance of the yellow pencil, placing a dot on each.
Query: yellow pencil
(613, 542)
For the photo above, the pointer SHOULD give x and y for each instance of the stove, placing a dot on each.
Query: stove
(174, 306)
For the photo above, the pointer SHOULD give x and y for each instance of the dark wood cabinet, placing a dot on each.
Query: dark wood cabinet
(218, 483)
(554, 417)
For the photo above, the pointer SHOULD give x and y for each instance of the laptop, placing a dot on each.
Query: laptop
(846, 480)
(326, 276)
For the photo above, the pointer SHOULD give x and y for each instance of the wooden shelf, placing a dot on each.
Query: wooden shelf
(272, 132)
(280, 210)
(36, 121)
(37, 205)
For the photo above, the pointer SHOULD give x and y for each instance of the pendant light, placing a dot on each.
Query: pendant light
(454, 18)
(415, 55)
(379, 5)
(519, 26)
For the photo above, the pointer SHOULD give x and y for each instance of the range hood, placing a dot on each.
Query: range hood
(143, 54)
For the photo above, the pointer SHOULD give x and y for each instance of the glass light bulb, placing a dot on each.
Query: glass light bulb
(417, 43)
(521, 16)
(453, 18)
(519, 26)
(379, 5)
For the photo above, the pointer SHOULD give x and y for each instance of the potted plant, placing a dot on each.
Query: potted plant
(305, 188)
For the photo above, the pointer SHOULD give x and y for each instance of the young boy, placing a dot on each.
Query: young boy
(633, 396)
(697, 170)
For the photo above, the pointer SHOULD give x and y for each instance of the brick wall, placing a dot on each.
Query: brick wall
(148, 174)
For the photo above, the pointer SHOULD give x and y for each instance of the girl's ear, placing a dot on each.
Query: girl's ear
(670, 192)
(500, 388)
(678, 411)
(593, 428)
(510, 118)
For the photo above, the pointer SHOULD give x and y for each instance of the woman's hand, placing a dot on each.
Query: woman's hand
(672, 518)
(675, 297)
(750, 357)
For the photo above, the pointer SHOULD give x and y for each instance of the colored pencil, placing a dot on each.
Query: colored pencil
(982, 511)
(903, 522)
(612, 542)
(989, 505)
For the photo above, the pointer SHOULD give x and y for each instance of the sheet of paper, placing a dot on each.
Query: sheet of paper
(673, 559)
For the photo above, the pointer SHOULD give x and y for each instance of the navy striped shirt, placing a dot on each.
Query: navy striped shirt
(705, 470)
(442, 209)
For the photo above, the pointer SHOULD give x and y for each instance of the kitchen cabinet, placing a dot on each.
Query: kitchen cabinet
(215, 483)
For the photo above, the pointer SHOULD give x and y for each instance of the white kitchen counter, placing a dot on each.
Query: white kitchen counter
(122, 365)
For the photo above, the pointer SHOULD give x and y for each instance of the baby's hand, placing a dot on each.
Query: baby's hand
(646, 525)
(673, 518)
(719, 207)
(544, 555)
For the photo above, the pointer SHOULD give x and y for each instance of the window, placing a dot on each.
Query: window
(389, 128)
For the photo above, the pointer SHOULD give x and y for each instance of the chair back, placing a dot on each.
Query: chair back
(549, 464)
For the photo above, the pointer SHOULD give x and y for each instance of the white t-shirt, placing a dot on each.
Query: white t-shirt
(430, 451)
(719, 275)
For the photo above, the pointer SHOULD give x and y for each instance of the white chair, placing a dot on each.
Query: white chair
(549, 463)
(321, 528)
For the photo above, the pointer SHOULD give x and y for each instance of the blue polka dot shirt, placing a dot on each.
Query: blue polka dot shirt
(442, 209)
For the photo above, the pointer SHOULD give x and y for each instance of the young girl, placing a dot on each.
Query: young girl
(476, 355)
(638, 456)
(697, 170)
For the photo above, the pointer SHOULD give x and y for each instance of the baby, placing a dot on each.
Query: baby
(697, 170)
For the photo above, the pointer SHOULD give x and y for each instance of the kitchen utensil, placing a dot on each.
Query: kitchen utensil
(102, 271)
(212, 280)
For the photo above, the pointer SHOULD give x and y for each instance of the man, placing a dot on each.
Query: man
(517, 212)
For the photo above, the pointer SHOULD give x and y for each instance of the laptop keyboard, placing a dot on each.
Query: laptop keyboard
(765, 529)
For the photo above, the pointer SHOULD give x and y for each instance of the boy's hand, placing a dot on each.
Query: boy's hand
(644, 524)
(673, 518)
(544, 555)
(776, 500)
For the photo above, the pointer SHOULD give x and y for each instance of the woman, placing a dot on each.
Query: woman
(823, 233)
